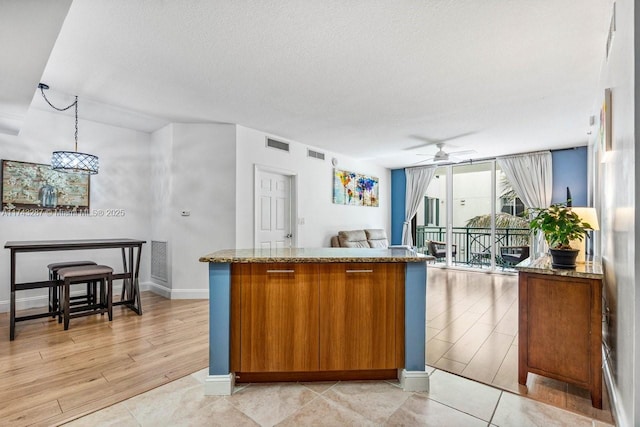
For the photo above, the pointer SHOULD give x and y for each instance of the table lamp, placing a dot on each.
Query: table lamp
(589, 216)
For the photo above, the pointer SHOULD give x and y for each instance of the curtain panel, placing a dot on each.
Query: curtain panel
(531, 179)
(418, 180)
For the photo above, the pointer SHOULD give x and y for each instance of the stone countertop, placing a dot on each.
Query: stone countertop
(300, 255)
(542, 265)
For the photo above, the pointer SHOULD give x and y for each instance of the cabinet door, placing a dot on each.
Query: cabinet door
(279, 318)
(358, 316)
(559, 326)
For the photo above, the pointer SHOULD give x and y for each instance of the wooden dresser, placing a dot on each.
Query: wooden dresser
(560, 324)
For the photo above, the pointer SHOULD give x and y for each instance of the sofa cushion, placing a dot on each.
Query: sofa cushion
(377, 238)
(353, 239)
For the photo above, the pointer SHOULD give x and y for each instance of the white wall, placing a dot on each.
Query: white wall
(322, 218)
(122, 183)
(193, 166)
(615, 196)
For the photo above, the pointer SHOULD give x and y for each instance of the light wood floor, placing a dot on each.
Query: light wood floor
(49, 376)
(472, 331)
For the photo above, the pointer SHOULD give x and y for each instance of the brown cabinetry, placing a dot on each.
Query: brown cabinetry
(560, 330)
(358, 307)
(317, 318)
(279, 311)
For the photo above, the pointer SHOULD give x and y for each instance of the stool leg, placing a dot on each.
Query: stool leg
(103, 296)
(59, 300)
(53, 296)
(110, 297)
(66, 304)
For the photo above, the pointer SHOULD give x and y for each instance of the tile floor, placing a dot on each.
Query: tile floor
(451, 401)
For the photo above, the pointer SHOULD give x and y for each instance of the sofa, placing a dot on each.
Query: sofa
(367, 238)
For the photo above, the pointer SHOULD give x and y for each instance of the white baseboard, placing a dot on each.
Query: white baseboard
(33, 301)
(219, 385)
(189, 293)
(157, 289)
(614, 398)
(413, 380)
(169, 293)
(42, 300)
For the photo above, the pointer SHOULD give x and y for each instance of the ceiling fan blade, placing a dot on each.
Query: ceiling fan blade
(434, 141)
(462, 153)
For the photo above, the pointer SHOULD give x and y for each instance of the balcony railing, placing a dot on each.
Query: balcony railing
(473, 244)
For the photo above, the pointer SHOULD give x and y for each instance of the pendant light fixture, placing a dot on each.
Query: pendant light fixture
(71, 161)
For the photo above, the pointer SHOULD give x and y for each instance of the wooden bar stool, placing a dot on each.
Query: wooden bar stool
(54, 292)
(101, 274)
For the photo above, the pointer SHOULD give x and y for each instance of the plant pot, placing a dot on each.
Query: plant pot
(564, 258)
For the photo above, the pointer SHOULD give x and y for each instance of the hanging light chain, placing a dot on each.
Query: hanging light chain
(76, 103)
(42, 87)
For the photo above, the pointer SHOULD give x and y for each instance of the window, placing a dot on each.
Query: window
(431, 211)
(512, 206)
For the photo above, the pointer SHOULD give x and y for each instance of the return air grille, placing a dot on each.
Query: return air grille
(315, 154)
(159, 260)
(278, 145)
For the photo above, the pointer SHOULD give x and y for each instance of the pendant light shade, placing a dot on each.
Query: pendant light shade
(71, 161)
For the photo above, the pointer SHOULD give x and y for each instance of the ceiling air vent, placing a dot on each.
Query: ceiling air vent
(278, 145)
(315, 154)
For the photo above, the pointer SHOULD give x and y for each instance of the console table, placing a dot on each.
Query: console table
(131, 252)
(560, 324)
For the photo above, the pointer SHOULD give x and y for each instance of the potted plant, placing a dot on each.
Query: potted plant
(560, 226)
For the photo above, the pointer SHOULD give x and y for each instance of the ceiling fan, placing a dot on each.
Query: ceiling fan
(442, 156)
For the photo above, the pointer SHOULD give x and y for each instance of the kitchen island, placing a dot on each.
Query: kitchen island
(316, 314)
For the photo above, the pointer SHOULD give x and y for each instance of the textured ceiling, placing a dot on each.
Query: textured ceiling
(371, 79)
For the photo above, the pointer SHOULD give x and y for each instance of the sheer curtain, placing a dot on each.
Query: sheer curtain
(418, 180)
(531, 179)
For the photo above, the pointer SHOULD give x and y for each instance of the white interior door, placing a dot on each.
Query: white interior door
(273, 210)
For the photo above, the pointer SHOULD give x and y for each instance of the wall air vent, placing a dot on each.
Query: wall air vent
(159, 260)
(315, 154)
(278, 145)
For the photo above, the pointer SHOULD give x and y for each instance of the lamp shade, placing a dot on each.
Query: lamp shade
(587, 215)
(73, 161)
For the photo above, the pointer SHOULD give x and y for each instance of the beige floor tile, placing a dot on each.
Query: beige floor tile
(201, 375)
(319, 386)
(269, 404)
(116, 415)
(373, 399)
(467, 396)
(419, 410)
(520, 411)
(177, 400)
(324, 412)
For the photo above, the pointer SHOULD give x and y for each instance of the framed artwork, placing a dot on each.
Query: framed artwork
(605, 134)
(351, 188)
(34, 186)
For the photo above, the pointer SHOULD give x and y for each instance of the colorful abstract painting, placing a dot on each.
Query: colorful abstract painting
(350, 188)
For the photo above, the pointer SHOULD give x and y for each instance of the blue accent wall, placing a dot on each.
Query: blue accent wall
(219, 318)
(398, 194)
(415, 312)
(570, 170)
